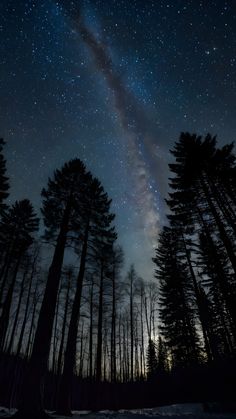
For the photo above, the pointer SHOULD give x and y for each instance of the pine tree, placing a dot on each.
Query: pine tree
(97, 232)
(60, 208)
(18, 224)
(202, 200)
(116, 263)
(197, 179)
(4, 183)
(152, 363)
(131, 286)
(176, 313)
(162, 357)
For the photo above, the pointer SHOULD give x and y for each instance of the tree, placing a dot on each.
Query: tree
(162, 357)
(152, 362)
(176, 313)
(196, 175)
(32, 278)
(60, 207)
(4, 183)
(96, 232)
(203, 208)
(18, 225)
(116, 263)
(131, 285)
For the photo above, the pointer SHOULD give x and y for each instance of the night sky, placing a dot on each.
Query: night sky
(114, 82)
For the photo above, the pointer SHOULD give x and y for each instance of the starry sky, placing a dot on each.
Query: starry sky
(114, 82)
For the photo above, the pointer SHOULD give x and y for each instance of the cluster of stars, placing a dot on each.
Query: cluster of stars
(177, 57)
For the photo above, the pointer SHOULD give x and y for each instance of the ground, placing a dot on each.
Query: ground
(187, 411)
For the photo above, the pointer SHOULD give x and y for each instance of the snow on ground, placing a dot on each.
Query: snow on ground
(186, 411)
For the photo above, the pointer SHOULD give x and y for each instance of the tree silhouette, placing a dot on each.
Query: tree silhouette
(203, 208)
(4, 183)
(60, 207)
(176, 313)
(152, 363)
(195, 175)
(18, 224)
(95, 226)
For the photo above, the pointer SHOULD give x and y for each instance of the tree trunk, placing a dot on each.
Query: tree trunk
(4, 321)
(113, 329)
(64, 397)
(54, 342)
(32, 324)
(63, 330)
(100, 323)
(131, 332)
(13, 332)
(19, 345)
(91, 373)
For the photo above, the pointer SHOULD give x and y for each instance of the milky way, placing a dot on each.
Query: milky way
(115, 90)
(134, 124)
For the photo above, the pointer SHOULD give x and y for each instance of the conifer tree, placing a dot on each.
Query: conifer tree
(162, 357)
(176, 313)
(152, 363)
(18, 224)
(60, 208)
(97, 234)
(4, 182)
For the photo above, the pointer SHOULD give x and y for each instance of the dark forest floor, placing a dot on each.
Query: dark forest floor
(187, 411)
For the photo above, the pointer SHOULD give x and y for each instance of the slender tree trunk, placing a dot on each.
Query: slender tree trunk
(113, 329)
(4, 320)
(64, 397)
(32, 323)
(131, 333)
(6, 266)
(100, 323)
(91, 374)
(136, 340)
(120, 349)
(63, 330)
(81, 357)
(55, 337)
(19, 345)
(125, 363)
(147, 320)
(13, 332)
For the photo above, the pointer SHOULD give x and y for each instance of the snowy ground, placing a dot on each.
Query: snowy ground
(186, 411)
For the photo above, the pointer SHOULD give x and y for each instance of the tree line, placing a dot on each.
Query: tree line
(196, 256)
(75, 315)
(68, 312)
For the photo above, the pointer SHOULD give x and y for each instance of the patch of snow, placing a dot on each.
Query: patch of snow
(177, 411)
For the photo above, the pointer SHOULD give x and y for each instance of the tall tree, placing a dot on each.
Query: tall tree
(195, 173)
(117, 258)
(60, 207)
(19, 224)
(131, 281)
(176, 314)
(4, 182)
(203, 201)
(152, 362)
(96, 232)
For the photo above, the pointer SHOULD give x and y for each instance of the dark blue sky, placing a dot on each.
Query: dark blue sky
(173, 65)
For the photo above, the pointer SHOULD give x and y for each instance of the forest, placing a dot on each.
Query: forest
(77, 332)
